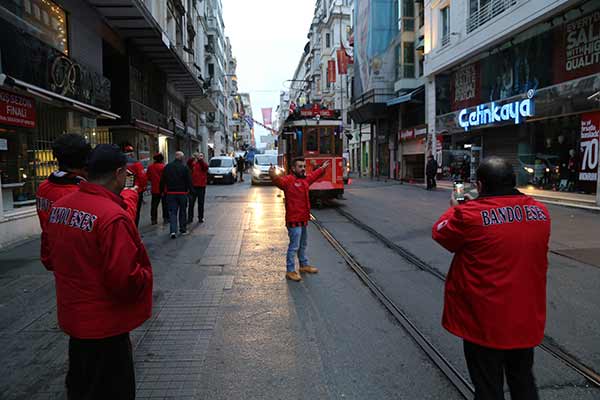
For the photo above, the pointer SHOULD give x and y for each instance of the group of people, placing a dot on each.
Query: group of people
(495, 293)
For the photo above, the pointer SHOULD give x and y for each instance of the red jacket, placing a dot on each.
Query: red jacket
(141, 180)
(199, 173)
(102, 272)
(58, 185)
(495, 292)
(154, 174)
(297, 203)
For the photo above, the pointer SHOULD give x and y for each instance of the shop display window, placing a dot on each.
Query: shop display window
(43, 19)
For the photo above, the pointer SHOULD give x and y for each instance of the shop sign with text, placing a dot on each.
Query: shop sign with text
(17, 110)
(493, 113)
(590, 147)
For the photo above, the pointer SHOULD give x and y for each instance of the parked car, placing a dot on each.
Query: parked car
(222, 168)
(260, 168)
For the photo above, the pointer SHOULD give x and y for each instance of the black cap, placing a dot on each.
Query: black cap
(105, 158)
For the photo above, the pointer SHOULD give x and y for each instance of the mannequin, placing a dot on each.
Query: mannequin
(572, 168)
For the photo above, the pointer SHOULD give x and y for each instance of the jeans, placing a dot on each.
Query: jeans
(431, 182)
(198, 193)
(177, 208)
(487, 368)
(298, 242)
(101, 369)
(156, 200)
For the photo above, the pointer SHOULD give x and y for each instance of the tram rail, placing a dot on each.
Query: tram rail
(569, 360)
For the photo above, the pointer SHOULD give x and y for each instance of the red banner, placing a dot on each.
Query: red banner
(342, 60)
(317, 110)
(465, 84)
(17, 110)
(577, 48)
(267, 116)
(406, 134)
(331, 71)
(589, 147)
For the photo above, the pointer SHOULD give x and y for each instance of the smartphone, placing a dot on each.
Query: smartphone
(130, 179)
(459, 191)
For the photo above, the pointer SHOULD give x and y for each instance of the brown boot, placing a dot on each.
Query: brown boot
(307, 269)
(293, 276)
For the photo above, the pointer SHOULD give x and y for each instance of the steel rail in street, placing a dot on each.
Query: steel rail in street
(547, 345)
(464, 387)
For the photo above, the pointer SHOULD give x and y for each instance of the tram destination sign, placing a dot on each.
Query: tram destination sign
(493, 113)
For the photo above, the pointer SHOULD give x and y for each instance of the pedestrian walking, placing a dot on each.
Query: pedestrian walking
(176, 183)
(297, 213)
(495, 294)
(241, 166)
(140, 179)
(154, 175)
(103, 278)
(72, 152)
(431, 172)
(199, 171)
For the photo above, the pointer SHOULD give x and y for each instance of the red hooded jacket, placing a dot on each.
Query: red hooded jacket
(102, 271)
(154, 175)
(495, 292)
(297, 202)
(199, 172)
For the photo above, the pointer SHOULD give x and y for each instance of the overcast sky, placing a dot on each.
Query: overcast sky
(268, 38)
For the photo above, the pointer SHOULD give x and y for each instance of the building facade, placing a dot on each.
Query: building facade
(517, 79)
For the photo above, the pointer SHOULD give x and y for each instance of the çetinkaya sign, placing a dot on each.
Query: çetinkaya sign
(17, 110)
(492, 113)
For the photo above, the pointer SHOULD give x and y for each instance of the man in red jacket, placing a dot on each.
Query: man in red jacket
(141, 180)
(72, 152)
(297, 213)
(154, 175)
(495, 296)
(103, 278)
(199, 169)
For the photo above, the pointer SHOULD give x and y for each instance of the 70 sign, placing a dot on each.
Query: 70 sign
(590, 147)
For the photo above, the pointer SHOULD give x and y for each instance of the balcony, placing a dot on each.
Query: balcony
(488, 12)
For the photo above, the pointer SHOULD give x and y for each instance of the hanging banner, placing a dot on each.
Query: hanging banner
(342, 60)
(589, 147)
(331, 71)
(17, 110)
(267, 115)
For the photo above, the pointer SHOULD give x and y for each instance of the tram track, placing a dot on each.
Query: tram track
(548, 345)
(463, 385)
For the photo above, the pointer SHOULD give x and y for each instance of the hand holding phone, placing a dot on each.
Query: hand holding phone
(459, 191)
(130, 180)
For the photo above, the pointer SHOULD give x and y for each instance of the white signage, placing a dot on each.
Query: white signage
(485, 114)
(4, 144)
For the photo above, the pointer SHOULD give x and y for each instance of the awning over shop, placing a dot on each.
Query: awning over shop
(55, 97)
(135, 23)
(405, 98)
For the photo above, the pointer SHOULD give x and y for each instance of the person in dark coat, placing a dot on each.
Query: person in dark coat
(176, 182)
(241, 166)
(431, 172)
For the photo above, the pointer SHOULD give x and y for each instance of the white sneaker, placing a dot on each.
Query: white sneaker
(173, 236)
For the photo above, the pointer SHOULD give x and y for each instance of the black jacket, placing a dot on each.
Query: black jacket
(176, 178)
(431, 168)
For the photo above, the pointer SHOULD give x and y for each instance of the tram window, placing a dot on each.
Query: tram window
(339, 144)
(325, 140)
(312, 141)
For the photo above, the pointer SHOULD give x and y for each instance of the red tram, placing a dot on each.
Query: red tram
(315, 133)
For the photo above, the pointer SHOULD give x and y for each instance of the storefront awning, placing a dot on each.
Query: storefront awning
(55, 97)
(134, 23)
(405, 98)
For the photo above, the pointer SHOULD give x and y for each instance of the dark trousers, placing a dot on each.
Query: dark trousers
(139, 208)
(241, 174)
(101, 369)
(487, 368)
(156, 200)
(177, 204)
(431, 184)
(197, 194)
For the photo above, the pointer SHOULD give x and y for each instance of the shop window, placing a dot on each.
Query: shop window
(325, 141)
(312, 140)
(43, 19)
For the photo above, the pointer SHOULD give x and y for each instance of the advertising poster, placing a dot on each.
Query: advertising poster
(17, 110)
(577, 49)
(465, 86)
(589, 148)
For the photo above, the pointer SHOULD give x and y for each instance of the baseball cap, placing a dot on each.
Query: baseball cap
(106, 158)
(129, 149)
